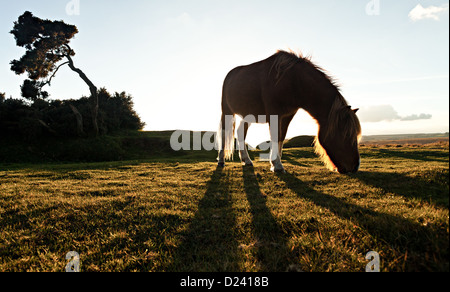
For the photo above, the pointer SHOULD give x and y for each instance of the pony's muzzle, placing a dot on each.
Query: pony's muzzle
(348, 170)
(356, 169)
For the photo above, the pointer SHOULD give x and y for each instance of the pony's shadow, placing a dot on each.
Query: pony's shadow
(396, 231)
(291, 160)
(267, 231)
(210, 243)
(433, 189)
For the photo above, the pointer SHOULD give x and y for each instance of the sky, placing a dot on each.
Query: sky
(391, 58)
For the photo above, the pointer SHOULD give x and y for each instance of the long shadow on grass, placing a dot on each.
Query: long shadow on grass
(431, 187)
(289, 157)
(210, 245)
(272, 249)
(426, 247)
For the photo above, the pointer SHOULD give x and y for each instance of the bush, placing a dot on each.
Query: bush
(117, 113)
(14, 114)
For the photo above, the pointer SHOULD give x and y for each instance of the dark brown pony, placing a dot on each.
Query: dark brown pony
(278, 87)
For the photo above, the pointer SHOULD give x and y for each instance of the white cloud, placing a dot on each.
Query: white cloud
(379, 113)
(417, 117)
(431, 12)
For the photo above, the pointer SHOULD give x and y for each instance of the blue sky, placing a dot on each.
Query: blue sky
(391, 58)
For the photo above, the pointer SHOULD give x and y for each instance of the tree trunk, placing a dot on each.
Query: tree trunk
(79, 117)
(94, 94)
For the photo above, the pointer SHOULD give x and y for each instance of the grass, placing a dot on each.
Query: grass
(183, 214)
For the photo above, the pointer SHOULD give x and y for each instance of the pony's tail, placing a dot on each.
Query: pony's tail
(225, 136)
(229, 137)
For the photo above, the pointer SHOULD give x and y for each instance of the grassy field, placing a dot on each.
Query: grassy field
(183, 214)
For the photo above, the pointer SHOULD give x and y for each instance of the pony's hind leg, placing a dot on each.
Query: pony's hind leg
(221, 142)
(243, 151)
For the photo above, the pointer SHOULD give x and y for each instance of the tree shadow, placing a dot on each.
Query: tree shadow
(425, 245)
(267, 231)
(210, 244)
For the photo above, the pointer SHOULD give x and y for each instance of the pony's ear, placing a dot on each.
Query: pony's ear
(356, 110)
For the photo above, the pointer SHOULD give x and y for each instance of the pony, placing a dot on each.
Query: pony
(274, 90)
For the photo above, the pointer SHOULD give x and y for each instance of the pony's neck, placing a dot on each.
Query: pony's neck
(320, 106)
(318, 93)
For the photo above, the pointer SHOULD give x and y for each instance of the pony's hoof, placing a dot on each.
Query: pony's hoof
(280, 170)
(247, 164)
(221, 164)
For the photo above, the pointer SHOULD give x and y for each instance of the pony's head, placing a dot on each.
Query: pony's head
(338, 140)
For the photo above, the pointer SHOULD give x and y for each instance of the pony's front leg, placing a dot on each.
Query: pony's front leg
(276, 150)
(275, 158)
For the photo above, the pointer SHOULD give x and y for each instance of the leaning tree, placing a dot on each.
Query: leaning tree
(47, 46)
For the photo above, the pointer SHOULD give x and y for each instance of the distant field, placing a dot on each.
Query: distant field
(405, 136)
(181, 213)
(411, 139)
(417, 141)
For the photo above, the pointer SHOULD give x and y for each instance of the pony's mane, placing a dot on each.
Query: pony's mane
(341, 121)
(323, 155)
(284, 61)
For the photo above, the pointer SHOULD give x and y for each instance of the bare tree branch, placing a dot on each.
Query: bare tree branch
(53, 75)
